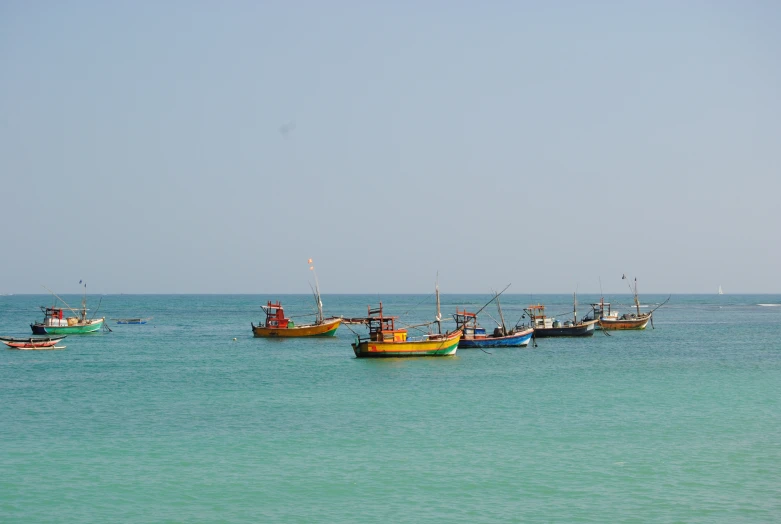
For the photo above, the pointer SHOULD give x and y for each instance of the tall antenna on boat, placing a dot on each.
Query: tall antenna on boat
(317, 294)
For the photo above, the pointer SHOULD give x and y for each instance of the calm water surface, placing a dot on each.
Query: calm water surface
(177, 421)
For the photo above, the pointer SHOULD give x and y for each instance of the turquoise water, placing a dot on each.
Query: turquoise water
(175, 421)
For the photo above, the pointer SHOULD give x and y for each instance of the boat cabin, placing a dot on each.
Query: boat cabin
(537, 317)
(468, 322)
(382, 328)
(602, 310)
(53, 317)
(275, 316)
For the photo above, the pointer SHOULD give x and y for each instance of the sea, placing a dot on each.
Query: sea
(188, 418)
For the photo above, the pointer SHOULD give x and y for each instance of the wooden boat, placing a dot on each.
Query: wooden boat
(611, 320)
(475, 336)
(54, 323)
(385, 340)
(33, 342)
(550, 327)
(599, 310)
(277, 325)
(131, 320)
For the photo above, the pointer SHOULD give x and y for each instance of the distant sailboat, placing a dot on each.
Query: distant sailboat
(720, 291)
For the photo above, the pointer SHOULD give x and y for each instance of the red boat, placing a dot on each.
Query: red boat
(33, 342)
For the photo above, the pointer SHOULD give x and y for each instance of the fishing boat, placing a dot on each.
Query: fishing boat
(475, 336)
(611, 320)
(131, 320)
(545, 326)
(55, 323)
(599, 310)
(385, 340)
(33, 342)
(278, 325)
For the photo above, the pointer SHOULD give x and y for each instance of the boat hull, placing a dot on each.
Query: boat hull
(444, 347)
(78, 329)
(31, 343)
(625, 324)
(326, 329)
(581, 330)
(520, 339)
(12, 345)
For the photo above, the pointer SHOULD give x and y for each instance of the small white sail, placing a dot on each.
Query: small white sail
(720, 291)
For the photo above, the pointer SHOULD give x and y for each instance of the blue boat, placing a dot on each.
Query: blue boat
(131, 320)
(475, 336)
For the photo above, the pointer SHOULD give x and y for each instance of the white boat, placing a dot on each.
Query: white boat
(720, 291)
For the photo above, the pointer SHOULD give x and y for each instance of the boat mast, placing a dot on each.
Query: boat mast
(501, 316)
(634, 293)
(575, 307)
(637, 300)
(439, 312)
(84, 304)
(318, 302)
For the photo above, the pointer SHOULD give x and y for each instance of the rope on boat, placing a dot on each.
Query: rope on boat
(416, 305)
(351, 329)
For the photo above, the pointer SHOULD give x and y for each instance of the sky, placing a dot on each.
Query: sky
(214, 147)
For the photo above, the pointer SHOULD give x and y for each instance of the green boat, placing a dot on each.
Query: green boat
(54, 323)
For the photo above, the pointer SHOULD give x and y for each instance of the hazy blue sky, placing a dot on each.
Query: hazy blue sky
(544, 144)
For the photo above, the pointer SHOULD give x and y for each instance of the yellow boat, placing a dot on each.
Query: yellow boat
(385, 340)
(278, 326)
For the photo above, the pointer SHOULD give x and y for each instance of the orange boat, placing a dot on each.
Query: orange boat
(277, 325)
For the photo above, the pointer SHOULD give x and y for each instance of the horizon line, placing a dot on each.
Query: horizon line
(382, 293)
